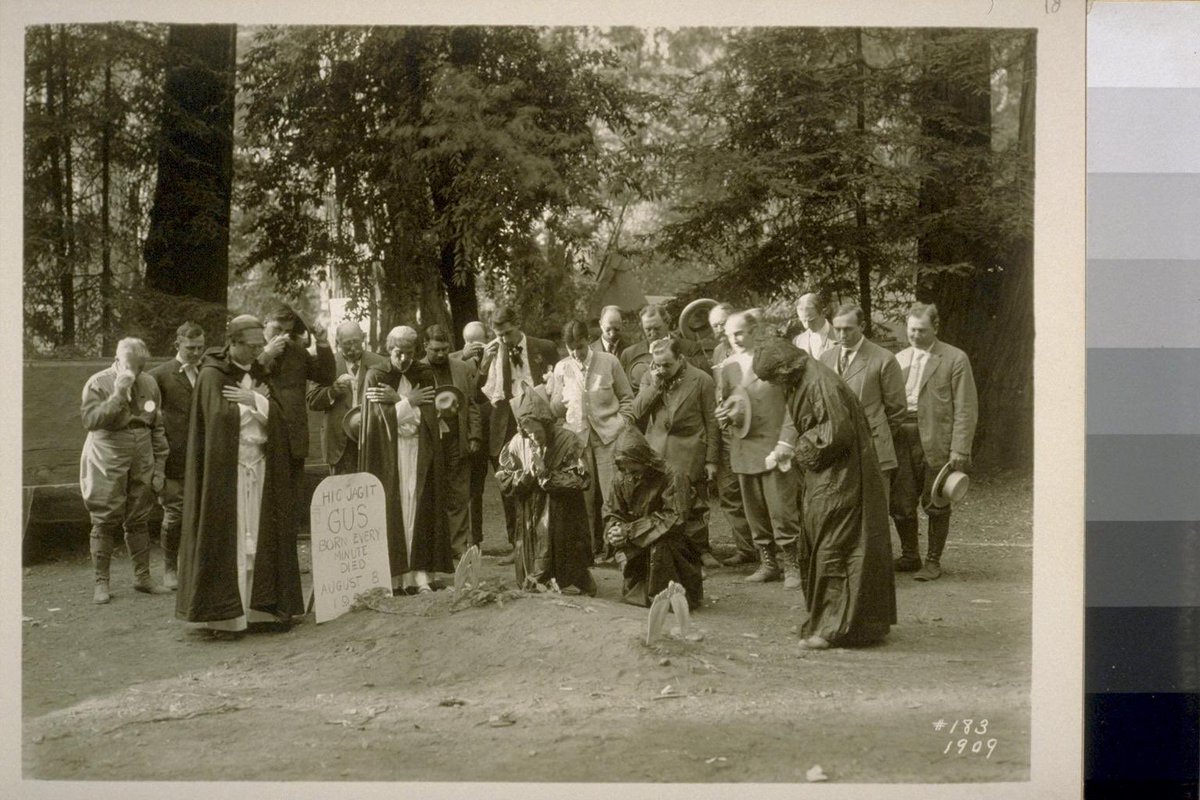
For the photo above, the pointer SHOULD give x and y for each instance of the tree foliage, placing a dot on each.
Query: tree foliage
(405, 163)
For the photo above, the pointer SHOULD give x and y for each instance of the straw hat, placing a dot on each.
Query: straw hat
(949, 487)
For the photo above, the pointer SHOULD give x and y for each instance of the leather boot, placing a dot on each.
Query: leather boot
(170, 545)
(139, 553)
(790, 561)
(101, 547)
(100, 564)
(939, 530)
(768, 568)
(910, 546)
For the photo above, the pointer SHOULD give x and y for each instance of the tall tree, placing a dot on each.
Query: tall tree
(187, 249)
(450, 155)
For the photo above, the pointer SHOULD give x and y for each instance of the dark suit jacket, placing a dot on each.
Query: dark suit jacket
(874, 375)
(681, 426)
(288, 376)
(639, 355)
(542, 355)
(462, 375)
(481, 403)
(176, 391)
(947, 406)
(622, 343)
(322, 398)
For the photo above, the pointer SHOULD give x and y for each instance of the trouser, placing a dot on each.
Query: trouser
(911, 486)
(116, 470)
(772, 510)
(348, 463)
(171, 500)
(457, 493)
(729, 493)
(600, 468)
(478, 469)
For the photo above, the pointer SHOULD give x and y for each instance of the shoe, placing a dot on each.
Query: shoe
(709, 560)
(170, 580)
(930, 572)
(424, 588)
(100, 595)
(738, 559)
(908, 563)
(507, 560)
(766, 573)
(148, 586)
(814, 643)
(791, 580)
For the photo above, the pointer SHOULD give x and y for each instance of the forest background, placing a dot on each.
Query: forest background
(177, 171)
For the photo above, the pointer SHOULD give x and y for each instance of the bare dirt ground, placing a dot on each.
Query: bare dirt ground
(544, 687)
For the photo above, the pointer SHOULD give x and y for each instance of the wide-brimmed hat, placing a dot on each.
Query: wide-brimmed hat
(352, 422)
(949, 487)
(694, 318)
(446, 396)
(741, 405)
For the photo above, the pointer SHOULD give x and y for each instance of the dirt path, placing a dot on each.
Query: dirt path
(125, 692)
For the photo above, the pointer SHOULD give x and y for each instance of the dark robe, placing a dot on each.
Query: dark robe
(377, 455)
(846, 560)
(655, 508)
(208, 573)
(552, 538)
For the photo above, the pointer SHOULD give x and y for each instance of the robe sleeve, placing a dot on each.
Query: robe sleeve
(258, 412)
(826, 431)
(676, 503)
(510, 472)
(101, 410)
(569, 473)
(320, 368)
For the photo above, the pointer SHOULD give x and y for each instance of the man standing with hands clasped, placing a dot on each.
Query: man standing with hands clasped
(938, 430)
(346, 391)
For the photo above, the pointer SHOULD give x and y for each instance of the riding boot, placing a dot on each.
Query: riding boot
(768, 568)
(138, 543)
(101, 547)
(169, 538)
(791, 566)
(910, 546)
(939, 530)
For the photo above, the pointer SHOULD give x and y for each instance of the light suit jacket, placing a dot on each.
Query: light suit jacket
(874, 375)
(947, 406)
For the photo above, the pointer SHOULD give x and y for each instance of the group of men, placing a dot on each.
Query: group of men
(221, 437)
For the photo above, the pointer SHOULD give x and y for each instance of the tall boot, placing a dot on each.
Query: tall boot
(768, 568)
(939, 530)
(910, 546)
(138, 543)
(791, 566)
(101, 547)
(169, 538)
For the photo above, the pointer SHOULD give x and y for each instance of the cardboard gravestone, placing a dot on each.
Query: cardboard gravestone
(349, 542)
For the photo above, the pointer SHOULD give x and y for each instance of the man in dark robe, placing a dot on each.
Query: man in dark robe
(402, 447)
(646, 516)
(543, 469)
(237, 554)
(846, 566)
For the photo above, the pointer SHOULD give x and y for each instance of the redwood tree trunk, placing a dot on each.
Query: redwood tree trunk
(187, 249)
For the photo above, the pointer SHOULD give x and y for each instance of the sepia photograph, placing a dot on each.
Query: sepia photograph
(631, 400)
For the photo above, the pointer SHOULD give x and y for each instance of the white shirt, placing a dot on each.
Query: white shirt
(190, 370)
(816, 342)
(916, 367)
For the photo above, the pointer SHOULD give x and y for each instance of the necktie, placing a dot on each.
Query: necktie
(506, 375)
(352, 371)
(843, 361)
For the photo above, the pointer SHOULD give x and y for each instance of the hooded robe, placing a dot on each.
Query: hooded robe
(209, 575)
(420, 501)
(552, 537)
(846, 563)
(652, 509)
